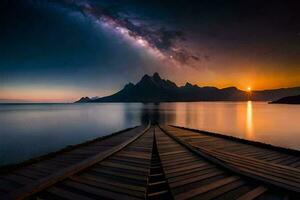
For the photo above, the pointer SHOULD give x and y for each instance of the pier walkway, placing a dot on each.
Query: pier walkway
(159, 162)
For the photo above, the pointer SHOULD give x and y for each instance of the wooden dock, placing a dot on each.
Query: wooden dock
(159, 162)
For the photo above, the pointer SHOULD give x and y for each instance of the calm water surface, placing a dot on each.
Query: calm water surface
(29, 130)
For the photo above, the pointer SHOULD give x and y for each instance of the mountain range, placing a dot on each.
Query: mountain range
(155, 89)
(288, 100)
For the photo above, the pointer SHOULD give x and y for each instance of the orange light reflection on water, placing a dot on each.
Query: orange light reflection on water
(249, 122)
(258, 121)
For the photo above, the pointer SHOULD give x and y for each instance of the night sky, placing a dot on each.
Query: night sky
(60, 50)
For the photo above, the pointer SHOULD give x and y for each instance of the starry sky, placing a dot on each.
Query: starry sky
(60, 50)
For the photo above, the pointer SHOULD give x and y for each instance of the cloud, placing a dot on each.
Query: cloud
(159, 38)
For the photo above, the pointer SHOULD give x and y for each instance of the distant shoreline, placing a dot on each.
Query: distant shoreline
(71, 103)
(156, 89)
(291, 100)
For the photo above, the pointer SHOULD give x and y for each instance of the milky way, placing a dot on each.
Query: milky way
(63, 49)
(160, 41)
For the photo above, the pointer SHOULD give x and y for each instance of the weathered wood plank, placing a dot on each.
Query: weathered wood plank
(206, 188)
(253, 193)
(43, 183)
(112, 182)
(276, 156)
(258, 163)
(220, 191)
(195, 178)
(279, 175)
(107, 186)
(98, 191)
(67, 194)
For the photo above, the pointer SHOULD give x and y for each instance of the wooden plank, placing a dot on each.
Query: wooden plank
(235, 193)
(116, 177)
(203, 141)
(123, 166)
(188, 167)
(295, 164)
(195, 179)
(258, 163)
(109, 170)
(285, 178)
(289, 161)
(265, 156)
(231, 147)
(112, 182)
(180, 174)
(206, 188)
(271, 180)
(180, 164)
(139, 156)
(181, 155)
(43, 170)
(179, 160)
(107, 186)
(17, 179)
(221, 191)
(98, 191)
(276, 158)
(67, 194)
(61, 175)
(130, 160)
(253, 193)
(242, 142)
(283, 159)
(120, 173)
(253, 154)
(168, 154)
(48, 167)
(7, 186)
(272, 177)
(30, 174)
(201, 183)
(192, 175)
(272, 157)
(279, 167)
(258, 176)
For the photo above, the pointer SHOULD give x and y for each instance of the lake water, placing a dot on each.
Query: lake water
(30, 130)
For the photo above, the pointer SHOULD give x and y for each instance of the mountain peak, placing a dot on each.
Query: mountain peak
(188, 84)
(156, 76)
(145, 77)
(84, 100)
(231, 88)
(129, 85)
(156, 79)
(155, 89)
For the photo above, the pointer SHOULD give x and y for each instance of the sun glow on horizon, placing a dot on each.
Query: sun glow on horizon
(47, 93)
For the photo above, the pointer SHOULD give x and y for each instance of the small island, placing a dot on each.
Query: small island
(288, 100)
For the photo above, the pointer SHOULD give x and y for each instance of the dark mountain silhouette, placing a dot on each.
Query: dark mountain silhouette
(155, 89)
(288, 100)
(84, 100)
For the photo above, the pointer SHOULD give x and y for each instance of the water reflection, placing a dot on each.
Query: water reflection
(157, 114)
(31, 130)
(260, 121)
(249, 130)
